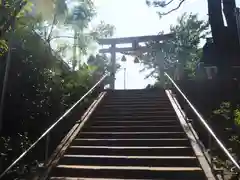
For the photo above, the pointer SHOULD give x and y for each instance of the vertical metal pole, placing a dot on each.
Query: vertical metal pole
(47, 147)
(210, 148)
(124, 78)
(113, 69)
(5, 80)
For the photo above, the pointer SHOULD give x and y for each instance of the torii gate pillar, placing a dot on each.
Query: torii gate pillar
(113, 67)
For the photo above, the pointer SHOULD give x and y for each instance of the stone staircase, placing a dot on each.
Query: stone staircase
(132, 134)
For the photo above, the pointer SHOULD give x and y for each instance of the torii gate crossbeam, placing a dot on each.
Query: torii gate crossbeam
(134, 41)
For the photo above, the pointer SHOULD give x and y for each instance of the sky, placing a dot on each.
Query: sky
(135, 18)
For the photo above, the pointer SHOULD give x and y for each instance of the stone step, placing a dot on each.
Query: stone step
(131, 150)
(134, 123)
(144, 102)
(146, 161)
(137, 118)
(131, 135)
(131, 142)
(156, 105)
(82, 178)
(128, 172)
(132, 129)
(135, 108)
(135, 113)
(138, 98)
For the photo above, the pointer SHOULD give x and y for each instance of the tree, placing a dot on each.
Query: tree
(11, 12)
(40, 88)
(225, 38)
(163, 4)
(102, 64)
(75, 18)
(102, 30)
(183, 48)
(59, 16)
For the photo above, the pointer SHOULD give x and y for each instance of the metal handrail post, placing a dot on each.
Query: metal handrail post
(47, 147)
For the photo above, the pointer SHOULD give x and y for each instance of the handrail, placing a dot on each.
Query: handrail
(205, 124)
(52, 126)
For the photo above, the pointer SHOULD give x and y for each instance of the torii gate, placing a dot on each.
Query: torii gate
(134, 41)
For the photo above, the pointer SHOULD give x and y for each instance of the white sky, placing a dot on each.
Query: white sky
(135, 18)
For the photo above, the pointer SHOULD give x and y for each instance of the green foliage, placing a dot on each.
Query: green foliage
(103, 30)
(20, 21)
(3, 47)
(77, 13)
(39, 91)
(26, 9)
(225, 110)
(41, 85)
(101, 62)
(229, 131)
(237, 117)
(16, 9)
(156, 3)
(9, 6)
(183, 48)
(76, 16)
(60, 7)
(102, 66)
(81, 14)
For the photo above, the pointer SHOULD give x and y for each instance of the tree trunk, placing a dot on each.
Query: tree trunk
(229, 9)
(6, 74)
(221, 36)
(216, 22)
(74, 60)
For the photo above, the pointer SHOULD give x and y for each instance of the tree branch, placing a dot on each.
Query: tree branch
(58, 37)
(174, 9)
(169, 2)
(51, 30)
(157, 3)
